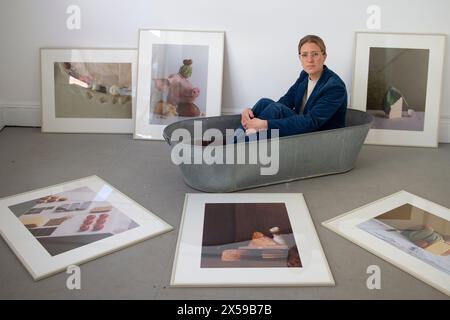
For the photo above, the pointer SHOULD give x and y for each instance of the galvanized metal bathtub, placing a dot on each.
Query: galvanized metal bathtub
(300, 156)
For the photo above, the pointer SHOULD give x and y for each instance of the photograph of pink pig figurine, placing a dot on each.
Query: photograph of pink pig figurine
(179, 78)
(180, 94)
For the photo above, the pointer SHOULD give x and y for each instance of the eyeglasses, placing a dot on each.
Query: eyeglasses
(313, 54)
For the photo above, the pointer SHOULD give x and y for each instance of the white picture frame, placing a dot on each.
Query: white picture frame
(52, 228)
(406, 68)
(163, 95)
(208, 219)
(388, 229)
(88, 90)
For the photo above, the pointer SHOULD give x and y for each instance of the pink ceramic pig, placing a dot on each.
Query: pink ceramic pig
(181, 92)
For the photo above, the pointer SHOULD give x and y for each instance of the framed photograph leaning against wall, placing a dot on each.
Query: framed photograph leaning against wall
(397, 78)
(180, 77)
(88, 90)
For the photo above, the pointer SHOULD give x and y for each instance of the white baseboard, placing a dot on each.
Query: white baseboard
(444, 130)
(22, 115)
(2, 122)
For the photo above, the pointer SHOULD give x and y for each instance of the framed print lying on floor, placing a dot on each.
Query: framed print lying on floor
(248, 240)
(180, 77)
(91, 91)
(410, 232)
(397, 78)
(67, 224)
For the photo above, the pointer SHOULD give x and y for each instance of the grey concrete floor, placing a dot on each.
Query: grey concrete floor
(142, 170)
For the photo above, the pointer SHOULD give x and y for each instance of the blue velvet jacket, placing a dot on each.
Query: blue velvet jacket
(324, 110)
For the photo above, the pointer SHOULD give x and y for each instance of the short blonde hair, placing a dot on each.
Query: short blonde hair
(313, 39)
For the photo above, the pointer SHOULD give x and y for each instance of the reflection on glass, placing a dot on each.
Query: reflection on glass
(92, 90)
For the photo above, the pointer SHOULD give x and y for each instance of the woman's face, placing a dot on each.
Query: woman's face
(312, 59)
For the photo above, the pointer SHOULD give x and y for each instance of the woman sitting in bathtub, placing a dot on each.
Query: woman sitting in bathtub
(316, 101)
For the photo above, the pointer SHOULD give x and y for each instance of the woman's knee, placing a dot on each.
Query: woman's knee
(272, 110)
(276, 110)
(262, 104)
(265, 101)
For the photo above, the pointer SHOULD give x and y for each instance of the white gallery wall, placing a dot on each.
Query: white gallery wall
(261, 39)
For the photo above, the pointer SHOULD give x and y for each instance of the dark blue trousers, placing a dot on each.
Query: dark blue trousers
(266, 109)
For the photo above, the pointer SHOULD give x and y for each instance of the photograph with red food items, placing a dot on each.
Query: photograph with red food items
(69, 220)
(53, 228)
